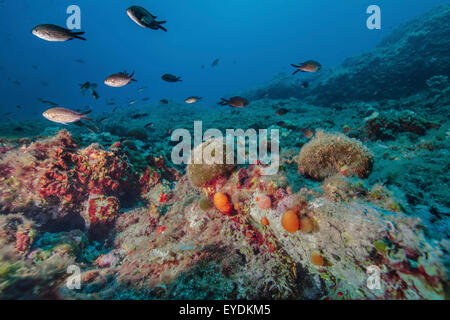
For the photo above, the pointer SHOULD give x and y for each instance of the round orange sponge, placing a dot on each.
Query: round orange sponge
(290, 221)
(317, 260)
(222, 203)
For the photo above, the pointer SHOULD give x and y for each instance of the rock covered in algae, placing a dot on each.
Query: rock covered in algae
(201, 173)
(328, 153)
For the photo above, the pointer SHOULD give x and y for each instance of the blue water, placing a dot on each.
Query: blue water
(254, 40)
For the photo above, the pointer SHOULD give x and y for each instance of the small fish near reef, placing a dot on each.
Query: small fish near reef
(144, 18)
(281, 111)
(237, 102)
(120, 79)
(171, 78)
(305, 84)
(65, 116)
(308, 66)
(51, 32)
(192, 99)
(164, 101)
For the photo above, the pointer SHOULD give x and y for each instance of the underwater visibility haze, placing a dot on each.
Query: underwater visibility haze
(117, 180)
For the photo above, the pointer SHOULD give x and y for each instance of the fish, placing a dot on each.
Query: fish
(79, 60)
(139, 115)
(308, 66)
(142, 89)
(192, 99)
(65, 116)
(51, 32)
(145, 99)
(281, 111)
(49, 103)
(87, 86)
(237, 102)
(144, 18)
(149, 125)
(164, 101)
(305, 84)
(119, 79)
(19, 107)
(110, 103)
(95, 94)
(132, 102)
(115, 109)
(170, 78)
(215, 62)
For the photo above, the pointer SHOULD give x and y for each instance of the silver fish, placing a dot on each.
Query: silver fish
(119, 79)
(64, 116)
(192, 99)
(51, 32)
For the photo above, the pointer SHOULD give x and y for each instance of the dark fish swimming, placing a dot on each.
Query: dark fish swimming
(308, 66)
(87, 86)
(64, 116)
(305, 84)
(51, 32)
(171, 78)
(95, 95)
(47, 102)
(120, 79)
(237, 102)
(164, 101)
(144, 18)
(215, 62)
(139, 115)
(281, 111)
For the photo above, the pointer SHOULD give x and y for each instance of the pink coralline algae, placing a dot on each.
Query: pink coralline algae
(54, 174)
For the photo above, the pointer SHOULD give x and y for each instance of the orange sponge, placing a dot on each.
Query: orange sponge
(290, 221)
(317, 260)
(264, 221)
(222, 203)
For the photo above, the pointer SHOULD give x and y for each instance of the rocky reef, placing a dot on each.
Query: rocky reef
(240, 236)
(409, 60)
(361, 191)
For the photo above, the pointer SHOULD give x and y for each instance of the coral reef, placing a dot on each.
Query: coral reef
(138, 227)
(51, 178)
